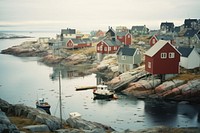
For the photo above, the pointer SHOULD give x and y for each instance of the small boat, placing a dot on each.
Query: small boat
(74, 115)
(43, 105)
(102, 92)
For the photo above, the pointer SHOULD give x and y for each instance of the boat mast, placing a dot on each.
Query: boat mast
(60, 100)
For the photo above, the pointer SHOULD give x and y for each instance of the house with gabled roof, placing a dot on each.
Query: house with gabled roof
(128, 58)
(191, 24)
(162, 58)
(139, 30)
(166, 27)
(68, 33)
(107, 46)
(155, 38)
(189, 35)
(124, 37)
(75, 43)
(190, 58)
(110, 34)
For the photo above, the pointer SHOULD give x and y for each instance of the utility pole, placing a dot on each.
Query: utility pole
(60, 100)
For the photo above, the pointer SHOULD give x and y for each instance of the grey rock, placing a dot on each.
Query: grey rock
(6, 125)
(37, 128)
(88, 126)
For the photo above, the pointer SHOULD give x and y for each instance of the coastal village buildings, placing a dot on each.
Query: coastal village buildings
(139, 30)
(111, 43)
(155, 38)
(75, 43)
(162, 58)
(190, 58)
(128, 58)
(166, 27)
(107, 46)
(124, 37)
(68, 33)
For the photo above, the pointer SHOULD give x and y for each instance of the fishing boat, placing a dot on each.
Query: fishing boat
(102, 92)
(40, 103)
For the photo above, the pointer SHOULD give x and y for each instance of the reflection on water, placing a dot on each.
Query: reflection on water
(67, 72)
(161, 112)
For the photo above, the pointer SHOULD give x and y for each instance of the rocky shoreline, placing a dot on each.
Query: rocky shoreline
(48, 123)
(184, 87)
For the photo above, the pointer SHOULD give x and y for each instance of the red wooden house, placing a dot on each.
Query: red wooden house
(78, 43)
(162, 58)
(108, 46)
(156, 38)
(124, 37)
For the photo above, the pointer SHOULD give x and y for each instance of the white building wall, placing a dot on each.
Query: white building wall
(193, 60)
(184, 62)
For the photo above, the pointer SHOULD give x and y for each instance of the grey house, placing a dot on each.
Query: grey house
(128, 58)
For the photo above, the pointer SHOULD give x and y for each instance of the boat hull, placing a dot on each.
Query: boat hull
(45, 108)
(102, 96)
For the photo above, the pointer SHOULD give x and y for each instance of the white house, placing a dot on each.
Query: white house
(190, 58)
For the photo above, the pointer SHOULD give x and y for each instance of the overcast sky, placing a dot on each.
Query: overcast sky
(89, 15)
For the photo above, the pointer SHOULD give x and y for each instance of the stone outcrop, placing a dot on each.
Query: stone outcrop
(30, 48)
(5, 125)
(88, 126)
(173, 89)
(34, 114)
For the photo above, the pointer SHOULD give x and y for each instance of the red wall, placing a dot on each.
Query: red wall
(70, 44)
(163, 66)
(151, 40)
(113, 49)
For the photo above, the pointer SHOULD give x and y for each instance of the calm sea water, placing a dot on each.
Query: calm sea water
(23, 80)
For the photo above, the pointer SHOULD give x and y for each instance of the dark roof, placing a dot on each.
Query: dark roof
(190, 33)
(177, 29)
(169, 24)
(137, 28)
(188, 22)
(111, 42)
(68, 31)
(164, 37)
(111, 32)
(185, 51)
(121, 33)
(126, 51)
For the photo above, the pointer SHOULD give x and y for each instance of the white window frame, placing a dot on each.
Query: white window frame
(105, 49)
(109, 48)
(129, 36)
(98, 48)
(149, 64)
(123, 57)
(101, 47)
(171, 55)
(163, 55)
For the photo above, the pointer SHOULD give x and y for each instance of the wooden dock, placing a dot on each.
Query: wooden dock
(81, 88)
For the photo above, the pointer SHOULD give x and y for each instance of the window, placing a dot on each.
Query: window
(115, 48)
(163, 55)
(98, 48)
(123, 57)
(109, 48)
(149, 64)
(101, 42)
(105, 48)
(129, 36)
(101, 47)
(171, 55)
(153, 41)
